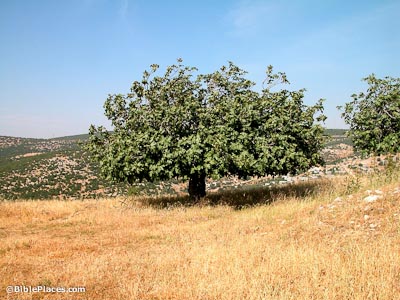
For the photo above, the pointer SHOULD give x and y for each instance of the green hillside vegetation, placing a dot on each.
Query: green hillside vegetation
(79, 137)
(43, 169)
(337, 136)
(10, 147)
(333, 132)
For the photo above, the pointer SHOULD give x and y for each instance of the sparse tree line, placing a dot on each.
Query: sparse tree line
(192, 126)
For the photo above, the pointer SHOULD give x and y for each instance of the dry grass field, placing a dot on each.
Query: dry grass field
(325, 242)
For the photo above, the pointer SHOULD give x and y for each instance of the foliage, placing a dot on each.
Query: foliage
(214, 125)
(374, 116)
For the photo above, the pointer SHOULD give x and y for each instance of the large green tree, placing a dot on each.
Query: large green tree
(179, 125)
(374, 116)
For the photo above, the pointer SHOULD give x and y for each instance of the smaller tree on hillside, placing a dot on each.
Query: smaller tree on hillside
(374, 116)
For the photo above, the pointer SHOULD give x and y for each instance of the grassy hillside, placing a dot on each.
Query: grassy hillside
(56, 168)
(329, 239)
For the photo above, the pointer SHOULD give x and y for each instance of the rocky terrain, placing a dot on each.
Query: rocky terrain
(35, 169)
(60, 168)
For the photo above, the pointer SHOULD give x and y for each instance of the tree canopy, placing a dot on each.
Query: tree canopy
(183, 125)
(374, 116)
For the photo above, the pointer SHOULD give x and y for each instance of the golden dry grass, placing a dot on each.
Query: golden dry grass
(298, 247)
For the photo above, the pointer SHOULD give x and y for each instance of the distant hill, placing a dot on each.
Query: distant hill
(337, 136)
(79, 137)
(52, 168)
(333, 132)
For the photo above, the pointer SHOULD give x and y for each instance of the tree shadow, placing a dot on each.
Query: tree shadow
(239, 198)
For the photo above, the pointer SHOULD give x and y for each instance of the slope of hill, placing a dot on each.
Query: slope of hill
(78, 137)
(336, 240)
(56, 168)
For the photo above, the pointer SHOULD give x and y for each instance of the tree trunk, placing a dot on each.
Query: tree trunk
(197, 186)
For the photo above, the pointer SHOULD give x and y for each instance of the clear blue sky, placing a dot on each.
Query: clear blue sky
(60, 59)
